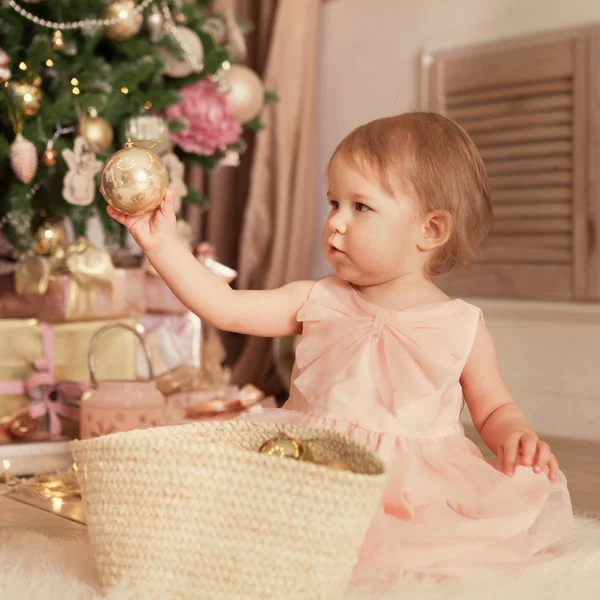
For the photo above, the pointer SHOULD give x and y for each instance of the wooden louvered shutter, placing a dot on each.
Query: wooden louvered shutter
(531, 108)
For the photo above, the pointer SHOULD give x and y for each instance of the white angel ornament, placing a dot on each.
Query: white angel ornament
(79, 187)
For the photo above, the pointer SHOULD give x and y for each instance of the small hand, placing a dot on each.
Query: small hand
(149, 230)
(525, 448)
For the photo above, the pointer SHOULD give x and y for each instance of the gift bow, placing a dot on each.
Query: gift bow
(88, 266)
(40, 386)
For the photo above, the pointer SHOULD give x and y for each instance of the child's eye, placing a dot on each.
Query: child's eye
(360, 207)
(334, 204)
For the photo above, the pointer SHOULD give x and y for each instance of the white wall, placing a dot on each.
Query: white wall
(370, 49)
(369, 64)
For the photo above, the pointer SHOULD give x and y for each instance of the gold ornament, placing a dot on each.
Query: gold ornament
(193, 54)
(96, 131)
(128, 26)
(49, 237)
(49, 157)
(146, 131)
(23, 158)
(286, 447)
(58, 42)
(27, 96)
(244, 91)
(134, 180)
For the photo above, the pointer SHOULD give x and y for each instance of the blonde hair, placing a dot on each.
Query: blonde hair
(439, 161)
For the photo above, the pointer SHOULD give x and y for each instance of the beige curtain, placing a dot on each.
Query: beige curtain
(261, 214)
(277, 235)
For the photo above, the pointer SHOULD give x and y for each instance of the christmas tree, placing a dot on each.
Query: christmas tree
(81, 77)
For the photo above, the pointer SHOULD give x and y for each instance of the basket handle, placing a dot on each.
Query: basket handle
(99, 334)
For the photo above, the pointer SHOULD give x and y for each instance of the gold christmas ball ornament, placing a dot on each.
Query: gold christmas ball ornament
(286, 447)
(96, 131)
(49, 237)
(245, 92)
(134, 180)
(49, 157)
(27, 96)
(146, 131)
(129, 23)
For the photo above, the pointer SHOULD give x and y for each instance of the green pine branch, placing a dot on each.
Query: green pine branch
(118, 79)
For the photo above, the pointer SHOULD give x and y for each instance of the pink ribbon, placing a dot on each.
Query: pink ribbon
(40, 386)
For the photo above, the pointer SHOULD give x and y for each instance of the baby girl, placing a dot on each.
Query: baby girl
(389, 359)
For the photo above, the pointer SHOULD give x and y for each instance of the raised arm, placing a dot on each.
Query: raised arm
(268, 313)
(502, 425)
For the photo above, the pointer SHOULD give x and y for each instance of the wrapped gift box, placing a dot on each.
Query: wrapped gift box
(63, 349)
(66, 300)
(160, 299)
(173, 340)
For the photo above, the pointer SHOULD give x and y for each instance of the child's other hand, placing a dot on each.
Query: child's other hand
(525, 448)
(149, 230)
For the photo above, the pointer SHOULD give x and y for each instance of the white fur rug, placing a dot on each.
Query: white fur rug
(34, 567)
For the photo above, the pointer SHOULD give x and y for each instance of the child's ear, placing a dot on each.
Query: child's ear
(436, 229)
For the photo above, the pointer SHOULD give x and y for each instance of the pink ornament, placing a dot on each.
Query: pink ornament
(210, 125)
(23, 159)
(4, 58)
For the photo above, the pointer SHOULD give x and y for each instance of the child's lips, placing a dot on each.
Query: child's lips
(334, 250)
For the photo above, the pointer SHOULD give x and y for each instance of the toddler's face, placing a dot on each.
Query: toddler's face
(370, 237)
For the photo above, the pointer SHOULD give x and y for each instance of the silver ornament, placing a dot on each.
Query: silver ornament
(146, 130)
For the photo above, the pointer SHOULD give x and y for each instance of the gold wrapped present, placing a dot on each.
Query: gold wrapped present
(64, 300)
(30, 350)
(77, 282)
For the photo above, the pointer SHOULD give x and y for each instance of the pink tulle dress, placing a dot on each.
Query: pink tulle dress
(390, 380)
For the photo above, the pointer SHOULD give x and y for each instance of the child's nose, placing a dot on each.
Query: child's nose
(338, 223)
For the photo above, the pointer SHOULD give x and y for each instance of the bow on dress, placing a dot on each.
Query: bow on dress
(425, 347)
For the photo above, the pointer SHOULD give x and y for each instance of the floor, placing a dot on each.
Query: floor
(580, 462)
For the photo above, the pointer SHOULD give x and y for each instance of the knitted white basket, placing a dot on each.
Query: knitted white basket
(195, 511)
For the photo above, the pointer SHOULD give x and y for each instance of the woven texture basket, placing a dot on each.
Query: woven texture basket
(195, 511)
